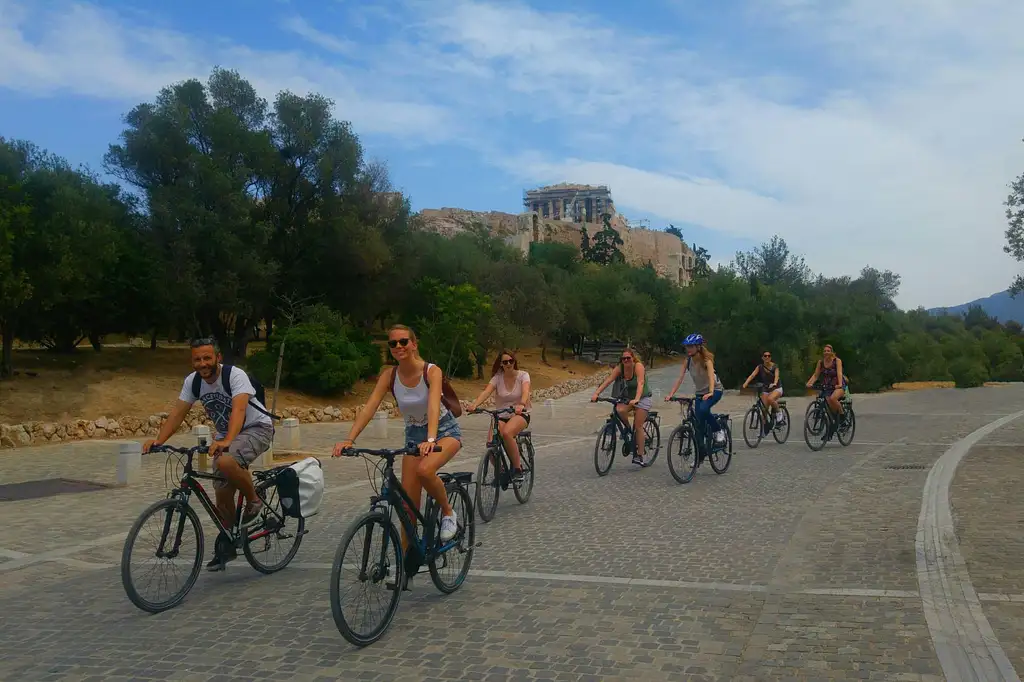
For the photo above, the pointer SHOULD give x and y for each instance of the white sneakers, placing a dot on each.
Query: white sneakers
(449, 526)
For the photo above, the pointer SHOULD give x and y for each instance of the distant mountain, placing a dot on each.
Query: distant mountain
(999, 306)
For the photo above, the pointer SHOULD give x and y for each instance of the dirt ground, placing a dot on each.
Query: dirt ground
(138, 382)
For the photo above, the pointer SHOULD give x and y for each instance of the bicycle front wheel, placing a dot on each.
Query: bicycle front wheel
(682, 454)
(449, 568)
(173, 526)
(604, 450)
(488, 484)
(375, 572)
(752, 427)
(781, 432)
(848, 427)
(525, 489)
(815, 426)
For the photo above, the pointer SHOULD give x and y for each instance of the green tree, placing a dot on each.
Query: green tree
(1015, 230)
(604, 248)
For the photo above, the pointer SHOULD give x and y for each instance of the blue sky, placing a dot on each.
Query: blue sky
(863, 132)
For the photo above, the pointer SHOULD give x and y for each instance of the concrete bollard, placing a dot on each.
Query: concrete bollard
(287, 436)
(267, 458)
(657, 395)
(202, 431)
(549, 407)
(380, 425)
(129, 462)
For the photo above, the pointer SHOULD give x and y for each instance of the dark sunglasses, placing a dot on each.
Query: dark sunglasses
(766, 355)
(626, 358)
(508, 362)
(393, 343)
(205, 341)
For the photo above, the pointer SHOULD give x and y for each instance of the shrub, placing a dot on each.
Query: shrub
(968, 373)
(319, 358)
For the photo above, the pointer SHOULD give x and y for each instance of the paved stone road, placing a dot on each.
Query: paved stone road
(792, 565)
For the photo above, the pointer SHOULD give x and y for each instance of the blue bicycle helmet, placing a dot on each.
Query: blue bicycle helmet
(693, 340)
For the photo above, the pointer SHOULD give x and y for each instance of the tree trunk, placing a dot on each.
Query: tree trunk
(544, 352)
(270, 328)
(561, 352)
(152, 339)
(240, 340)
(96, 341)
(6, 358)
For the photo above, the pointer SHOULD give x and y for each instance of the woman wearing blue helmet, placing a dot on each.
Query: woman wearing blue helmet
(707, 385)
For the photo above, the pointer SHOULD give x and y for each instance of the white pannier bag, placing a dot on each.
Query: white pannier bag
(301, 488)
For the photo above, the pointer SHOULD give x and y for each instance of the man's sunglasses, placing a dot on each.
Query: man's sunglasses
(205, 341)
(394, 343)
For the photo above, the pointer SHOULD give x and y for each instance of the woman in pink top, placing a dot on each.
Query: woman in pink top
(511, 388)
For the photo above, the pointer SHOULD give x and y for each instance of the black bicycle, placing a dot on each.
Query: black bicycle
(759, 422)
(691, 443)
(386, 567)
(495, 471)
(822, 425)
(174, 514)
(614, 428)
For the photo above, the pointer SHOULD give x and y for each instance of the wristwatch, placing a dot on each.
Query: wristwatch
(431, 440)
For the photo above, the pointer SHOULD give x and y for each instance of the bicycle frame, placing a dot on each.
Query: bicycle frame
(496, 441)
(701, 436)
(624, 427)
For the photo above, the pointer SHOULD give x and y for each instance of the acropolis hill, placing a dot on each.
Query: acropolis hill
(557, 213)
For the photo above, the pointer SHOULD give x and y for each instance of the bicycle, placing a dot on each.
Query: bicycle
(759, 421)
(615, 426)
(689, 435)
(377, 567)
(255, 540)
(497, 461)
(821, 421)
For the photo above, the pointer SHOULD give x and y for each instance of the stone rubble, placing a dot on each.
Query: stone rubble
(41, 433)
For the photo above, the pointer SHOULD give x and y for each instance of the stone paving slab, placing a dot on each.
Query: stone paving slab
(792, 565)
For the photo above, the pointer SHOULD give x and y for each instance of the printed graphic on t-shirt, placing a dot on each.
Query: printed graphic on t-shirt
(218, 409)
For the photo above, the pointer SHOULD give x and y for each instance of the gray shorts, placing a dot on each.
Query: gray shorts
(645, 403)
(247, 446)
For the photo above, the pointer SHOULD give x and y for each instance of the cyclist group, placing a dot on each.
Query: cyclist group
(244, 429)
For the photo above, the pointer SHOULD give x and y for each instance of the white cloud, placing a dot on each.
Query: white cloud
(889, 142)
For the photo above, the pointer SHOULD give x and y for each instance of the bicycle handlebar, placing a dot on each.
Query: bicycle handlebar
(181, 451)
(681, 399)
(385, 452)
(613, 401)
(493, 413)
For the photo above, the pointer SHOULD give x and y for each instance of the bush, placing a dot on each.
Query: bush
(968, 373)
(319, 358)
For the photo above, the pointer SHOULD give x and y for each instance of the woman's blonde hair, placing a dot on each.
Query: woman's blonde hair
(403, 328)
(705, 354)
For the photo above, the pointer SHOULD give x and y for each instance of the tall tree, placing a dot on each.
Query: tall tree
(772, 263)
(1015, 231)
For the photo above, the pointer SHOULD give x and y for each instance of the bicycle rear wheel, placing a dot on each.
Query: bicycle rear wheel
(848, 428)
(375, 563)
(488, 484)
(725, 454)
(171, 533)
(604, 450)
(445, 571)
(272, 542)
(525, 489)
(682, 454)
(752, 427)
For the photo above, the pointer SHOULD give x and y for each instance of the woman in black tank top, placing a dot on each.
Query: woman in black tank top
(767, 374)
(833, 380)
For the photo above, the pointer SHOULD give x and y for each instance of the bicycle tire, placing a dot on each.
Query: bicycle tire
(775, 431)
(368, 519)
(728, 451)
(465, 546)
(269, 517)
(523, 490)
(681, 439)
(814, 415)
(607, 436)
(852, 417)
(752, 419)
(126, 553)
(651, 435)
(491, 456)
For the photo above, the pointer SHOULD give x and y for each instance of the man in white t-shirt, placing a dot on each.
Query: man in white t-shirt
(242, 426)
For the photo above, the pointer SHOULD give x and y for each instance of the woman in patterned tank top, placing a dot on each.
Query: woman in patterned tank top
(833, 379)
(511, 387)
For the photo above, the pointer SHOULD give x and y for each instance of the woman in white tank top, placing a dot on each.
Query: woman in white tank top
(427, 422)
(511, 388)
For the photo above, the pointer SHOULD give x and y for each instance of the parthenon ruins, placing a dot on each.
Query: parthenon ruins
(557, 214)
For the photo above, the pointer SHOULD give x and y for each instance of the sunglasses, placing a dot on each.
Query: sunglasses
(394, 343)
(508, 362)
(766, 355)
(626, 358)
(205, 341)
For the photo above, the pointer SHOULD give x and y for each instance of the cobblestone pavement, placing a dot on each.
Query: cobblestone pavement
(791, 565)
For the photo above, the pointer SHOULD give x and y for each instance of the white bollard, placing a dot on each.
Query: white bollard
(549, 407)
(201, 432)
(380, 425)
(657, 395)
(129, 462)
(287, 437)
(267, 458)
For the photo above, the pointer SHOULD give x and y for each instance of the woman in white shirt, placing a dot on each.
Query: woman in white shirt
(511, 388)
(417, 389)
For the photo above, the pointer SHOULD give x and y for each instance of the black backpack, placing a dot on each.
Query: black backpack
(225, 381)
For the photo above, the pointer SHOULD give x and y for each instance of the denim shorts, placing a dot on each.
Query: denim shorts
(447, 427)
